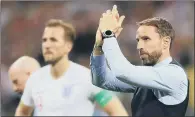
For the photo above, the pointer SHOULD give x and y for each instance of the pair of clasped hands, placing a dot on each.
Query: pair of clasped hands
(109, 21)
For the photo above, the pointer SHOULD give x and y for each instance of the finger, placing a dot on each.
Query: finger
(118, 32)
(114, 8)
(100, 20)
(116, 15)
(104, 14)
(116, 29)
(121, 19)
(98, 32)
(108, 12)
(98, 36)
(115, 12)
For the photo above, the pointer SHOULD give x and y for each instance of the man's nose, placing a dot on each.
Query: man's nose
(140, 45)
(46, 44)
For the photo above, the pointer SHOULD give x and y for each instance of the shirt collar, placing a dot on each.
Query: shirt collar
(164, 62)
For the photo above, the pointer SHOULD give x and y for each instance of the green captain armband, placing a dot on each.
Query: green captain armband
(103, 97)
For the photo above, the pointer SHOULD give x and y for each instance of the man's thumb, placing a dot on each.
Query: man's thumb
(118, 32)
(98, 34)
(121, 19)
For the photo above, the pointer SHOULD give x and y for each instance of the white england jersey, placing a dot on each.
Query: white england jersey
(72, 94)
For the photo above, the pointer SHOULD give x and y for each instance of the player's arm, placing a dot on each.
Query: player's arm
(168, 78)
(104, 78)
(23, 110)
(110, 104)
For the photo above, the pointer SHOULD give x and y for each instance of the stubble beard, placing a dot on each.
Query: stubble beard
(152, 58)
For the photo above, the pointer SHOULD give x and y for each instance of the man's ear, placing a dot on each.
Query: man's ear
(166, 42)
(69, 46)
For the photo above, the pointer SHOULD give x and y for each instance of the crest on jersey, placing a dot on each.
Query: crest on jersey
(67, 90)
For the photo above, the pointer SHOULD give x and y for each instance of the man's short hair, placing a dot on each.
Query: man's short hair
(164, 28)
(69, 30)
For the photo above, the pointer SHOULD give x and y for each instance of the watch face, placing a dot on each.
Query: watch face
(108, 32)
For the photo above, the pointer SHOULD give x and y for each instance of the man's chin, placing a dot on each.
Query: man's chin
(50, 62)
(145, 62)
(19, 94)
(48, 58)
(148, 63)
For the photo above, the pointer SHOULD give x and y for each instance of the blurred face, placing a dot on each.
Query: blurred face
(54, 46)
(18, 79)
(149, 45)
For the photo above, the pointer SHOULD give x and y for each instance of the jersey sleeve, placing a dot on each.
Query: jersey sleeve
(27, 94)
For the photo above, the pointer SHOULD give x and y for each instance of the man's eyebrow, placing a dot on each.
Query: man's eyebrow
(144, 36)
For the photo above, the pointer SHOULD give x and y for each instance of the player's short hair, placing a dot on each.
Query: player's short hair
(69, 30)
(164, 28)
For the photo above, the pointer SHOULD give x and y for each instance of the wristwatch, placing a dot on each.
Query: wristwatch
(107, 34)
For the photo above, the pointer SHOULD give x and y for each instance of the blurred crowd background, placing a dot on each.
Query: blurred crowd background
(22, 24)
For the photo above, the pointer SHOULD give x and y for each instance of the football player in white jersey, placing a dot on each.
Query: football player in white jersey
(63, 88)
